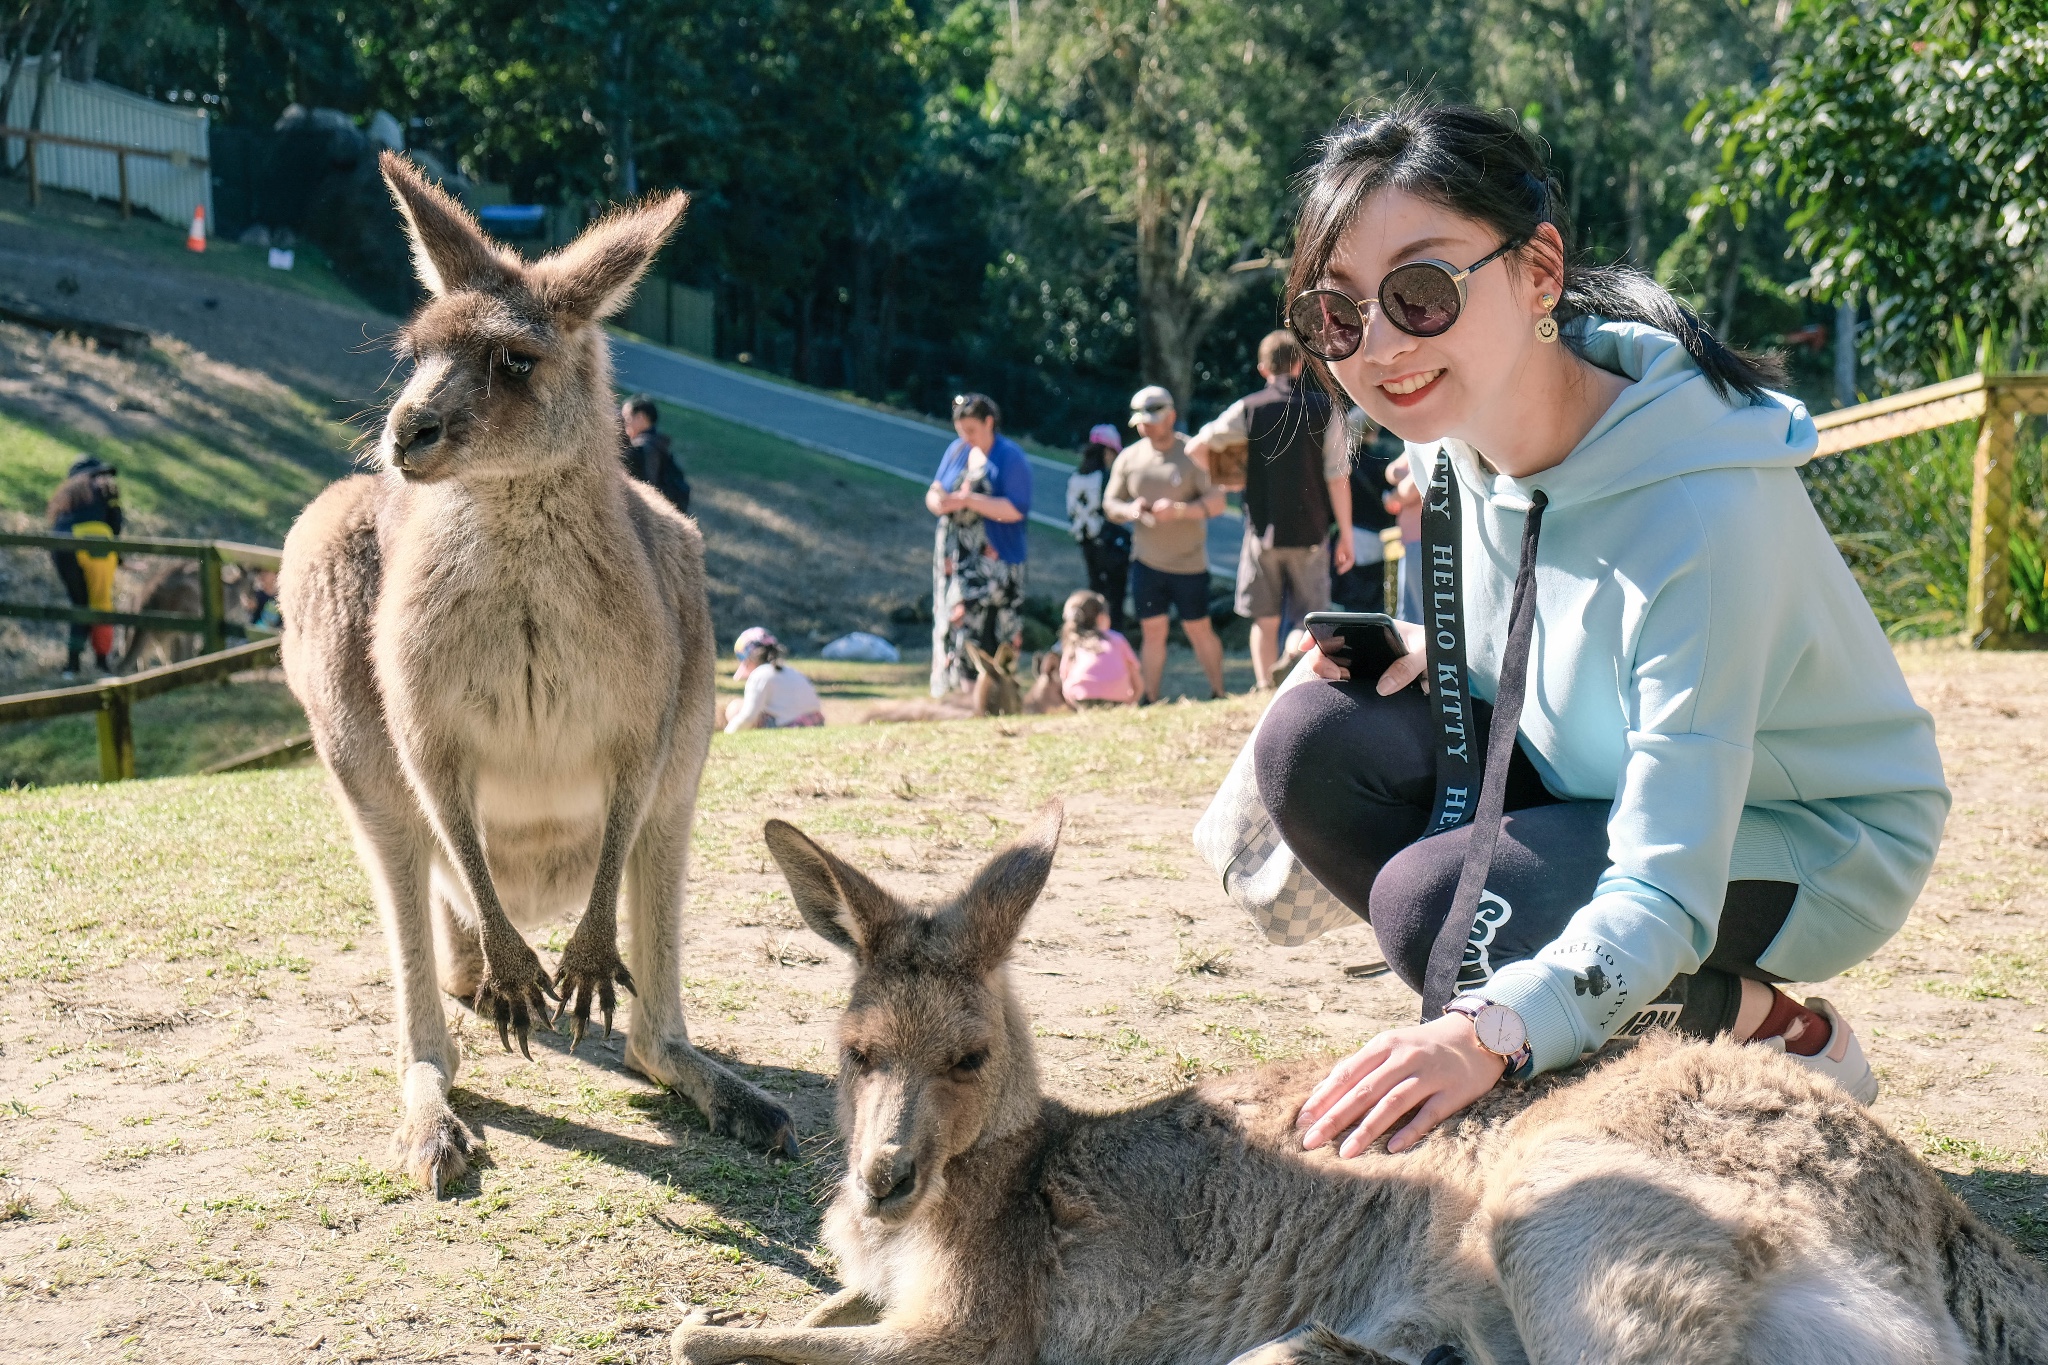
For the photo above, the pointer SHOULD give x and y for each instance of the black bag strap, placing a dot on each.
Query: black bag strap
(1447, 954)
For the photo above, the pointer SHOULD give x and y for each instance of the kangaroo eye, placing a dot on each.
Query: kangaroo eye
(969, 1064)
(859, 1060)
(515, 364)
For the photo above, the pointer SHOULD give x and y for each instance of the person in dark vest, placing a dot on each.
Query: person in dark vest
(1297, 485)
(87, 503)
(647, 454)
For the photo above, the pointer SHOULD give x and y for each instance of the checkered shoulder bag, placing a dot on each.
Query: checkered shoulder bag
(1260, 873)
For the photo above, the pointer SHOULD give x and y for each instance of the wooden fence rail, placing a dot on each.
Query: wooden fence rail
(210, 624)
(113, 698)
(32, 136)
(1995, 402)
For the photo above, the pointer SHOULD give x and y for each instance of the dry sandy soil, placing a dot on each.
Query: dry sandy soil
(196, 1069)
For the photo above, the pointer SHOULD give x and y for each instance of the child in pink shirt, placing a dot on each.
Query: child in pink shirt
(1097, 665)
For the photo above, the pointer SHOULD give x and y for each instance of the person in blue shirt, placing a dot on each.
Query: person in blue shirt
(981, 496)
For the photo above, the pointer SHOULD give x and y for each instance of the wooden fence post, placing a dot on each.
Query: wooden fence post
(1988, 616)
(35, 188)
(213, 604)
(127, 208)
(117, 735)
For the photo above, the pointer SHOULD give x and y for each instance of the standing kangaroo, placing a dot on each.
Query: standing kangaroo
(1699, 1204)
(506, 654)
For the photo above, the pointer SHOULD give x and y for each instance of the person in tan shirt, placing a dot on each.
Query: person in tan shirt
(1167, 500)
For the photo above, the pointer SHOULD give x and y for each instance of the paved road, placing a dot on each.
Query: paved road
(903, 446)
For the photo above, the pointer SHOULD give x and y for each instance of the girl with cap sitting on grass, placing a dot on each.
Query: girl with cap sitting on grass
(777, 697)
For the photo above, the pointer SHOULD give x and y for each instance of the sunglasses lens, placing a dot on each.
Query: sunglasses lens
(1327, 323)
(1420, 299)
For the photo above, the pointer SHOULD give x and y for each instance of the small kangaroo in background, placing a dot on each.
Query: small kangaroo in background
(506, 654)
(1700, 1204)
(996, 692)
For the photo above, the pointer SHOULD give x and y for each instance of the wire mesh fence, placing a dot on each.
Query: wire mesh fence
(1900, 514)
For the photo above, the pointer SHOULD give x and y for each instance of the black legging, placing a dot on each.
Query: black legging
(1349, 777)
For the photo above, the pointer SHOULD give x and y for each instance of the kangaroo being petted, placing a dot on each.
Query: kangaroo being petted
(1680, 1204)
(505, 651)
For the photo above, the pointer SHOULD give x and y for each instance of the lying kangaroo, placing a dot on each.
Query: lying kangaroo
(505, 651)
(175, 588)
(1046, 695)
(996, 692)
(1679, 1204)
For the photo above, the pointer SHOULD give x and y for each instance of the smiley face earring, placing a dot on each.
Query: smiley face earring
(1546, 326)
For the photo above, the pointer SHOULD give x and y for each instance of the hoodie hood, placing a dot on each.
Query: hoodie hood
(1667, 423)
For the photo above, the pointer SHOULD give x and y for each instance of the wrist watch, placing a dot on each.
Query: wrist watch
(1500, 1030)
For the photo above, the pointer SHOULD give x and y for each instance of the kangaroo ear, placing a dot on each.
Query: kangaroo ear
(593, 276)
(449, 251)
(993, 908)
(835, 899)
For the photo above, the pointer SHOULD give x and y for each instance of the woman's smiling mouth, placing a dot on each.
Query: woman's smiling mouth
(1410, 388)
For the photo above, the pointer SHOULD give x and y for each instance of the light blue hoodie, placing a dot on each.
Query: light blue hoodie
(1703, 659)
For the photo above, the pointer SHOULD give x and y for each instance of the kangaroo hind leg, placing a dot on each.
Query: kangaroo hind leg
(658, 1040)
(1608, 1257)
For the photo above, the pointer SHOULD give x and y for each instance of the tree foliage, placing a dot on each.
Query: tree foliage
(1903, 141)
(1054, 200)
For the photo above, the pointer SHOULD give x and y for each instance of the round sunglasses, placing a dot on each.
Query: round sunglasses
(1422, 298)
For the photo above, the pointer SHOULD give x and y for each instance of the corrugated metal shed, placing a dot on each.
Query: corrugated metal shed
(99, 112)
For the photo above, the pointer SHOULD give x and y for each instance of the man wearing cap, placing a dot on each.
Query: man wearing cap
(1105, 544)
(1297, 484)
(1167, 500)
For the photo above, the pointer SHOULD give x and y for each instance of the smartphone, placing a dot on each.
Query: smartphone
(1365, 642)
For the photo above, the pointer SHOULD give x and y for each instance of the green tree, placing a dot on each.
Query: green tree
(1904, 141)
(1157, 139)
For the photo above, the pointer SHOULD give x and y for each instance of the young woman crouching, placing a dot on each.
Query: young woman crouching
(1706, 775)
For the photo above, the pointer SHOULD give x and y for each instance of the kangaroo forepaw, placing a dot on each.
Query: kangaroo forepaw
(514, 997)
(709, 1335)
(1318, 1345)
(588, 973)
(434, 1148)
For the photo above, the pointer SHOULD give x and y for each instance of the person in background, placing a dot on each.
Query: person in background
(647, 454)
(1373, 449)
(1105, 545)
(87, 503)
(981, 496)
(1167, 500)
(1097, 665)
(777, 697)
(1297, 485)
(1404, 501)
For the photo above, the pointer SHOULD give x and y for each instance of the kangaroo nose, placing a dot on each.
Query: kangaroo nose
(891, 1175)
(420, 432)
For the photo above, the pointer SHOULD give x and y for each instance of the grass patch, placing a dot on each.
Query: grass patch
(2006, 974)
(311, 276)
(178, 732)
(241, 472)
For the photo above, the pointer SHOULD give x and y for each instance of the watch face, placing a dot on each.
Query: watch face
(1500, 1030)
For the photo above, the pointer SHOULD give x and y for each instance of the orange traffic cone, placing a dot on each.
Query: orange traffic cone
(195, 240)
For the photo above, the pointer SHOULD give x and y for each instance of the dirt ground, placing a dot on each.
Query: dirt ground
(196, 1071)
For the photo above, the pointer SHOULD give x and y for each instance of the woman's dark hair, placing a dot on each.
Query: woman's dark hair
(767, 652)
(1485, 166)
(976, 405)
(1096, 457)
